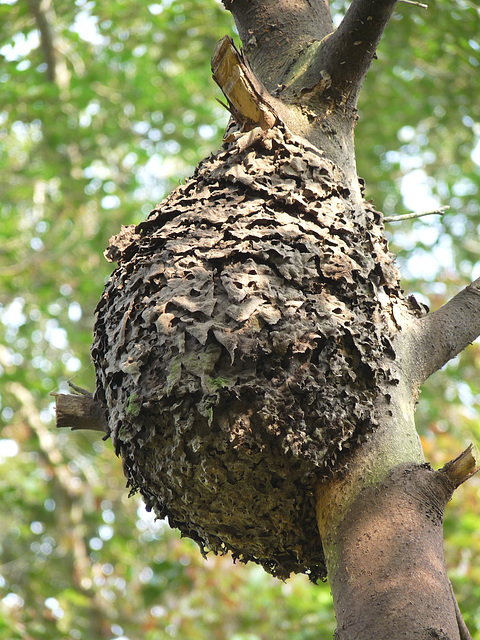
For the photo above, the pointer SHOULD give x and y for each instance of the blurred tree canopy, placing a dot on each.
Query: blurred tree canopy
(104, 106)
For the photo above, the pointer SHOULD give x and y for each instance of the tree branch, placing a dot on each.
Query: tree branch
(347, 54)
(57, 71)
(410, 216)
(79, 411)
(274, 33)
(441, 335)
(333, 64)
(463, 467)
(247, 98)
(39, 10)
(417, 4)
(462, 627)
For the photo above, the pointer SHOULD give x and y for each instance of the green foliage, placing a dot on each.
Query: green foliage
(94, 142)
(421, 148)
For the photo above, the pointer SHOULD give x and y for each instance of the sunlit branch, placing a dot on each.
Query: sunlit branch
(410, 216)
(440, 336)
(417, 4)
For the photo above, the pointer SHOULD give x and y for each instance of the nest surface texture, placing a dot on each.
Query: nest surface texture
(240, 344)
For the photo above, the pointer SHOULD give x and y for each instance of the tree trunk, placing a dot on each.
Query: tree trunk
(256, 357)
(386, 563)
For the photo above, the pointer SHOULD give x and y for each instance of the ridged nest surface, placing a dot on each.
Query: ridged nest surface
(240, 345)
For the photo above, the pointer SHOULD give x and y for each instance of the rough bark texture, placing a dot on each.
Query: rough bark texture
(241, 346)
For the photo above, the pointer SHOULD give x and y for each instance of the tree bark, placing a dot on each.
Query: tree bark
(79, 412)
(441, 335)
(386, 562)
(276, 35)
(384, 552)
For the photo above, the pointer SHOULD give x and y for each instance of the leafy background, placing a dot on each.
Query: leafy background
(104, 107)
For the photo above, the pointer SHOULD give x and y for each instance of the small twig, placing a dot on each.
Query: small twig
(409, 216)
(80, 390)
(248, 100)
(418, 4)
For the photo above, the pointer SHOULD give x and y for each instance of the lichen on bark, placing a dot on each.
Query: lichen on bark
(241, 344)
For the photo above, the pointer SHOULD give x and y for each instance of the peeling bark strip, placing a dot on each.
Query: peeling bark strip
(466, 465)
(247, 98)
(242, 343)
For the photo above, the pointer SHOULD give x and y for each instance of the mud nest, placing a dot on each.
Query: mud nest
(240, 345)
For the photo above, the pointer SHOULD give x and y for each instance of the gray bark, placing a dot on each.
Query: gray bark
(441, 335)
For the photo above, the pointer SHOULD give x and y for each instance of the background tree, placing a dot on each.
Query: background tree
(80, 124)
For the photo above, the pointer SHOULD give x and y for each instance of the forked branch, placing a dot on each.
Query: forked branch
(293, 47)
(276, 32)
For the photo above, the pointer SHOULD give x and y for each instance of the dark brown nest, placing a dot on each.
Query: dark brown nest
(240, 345)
